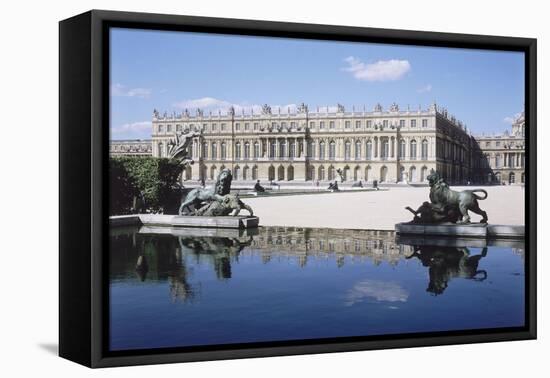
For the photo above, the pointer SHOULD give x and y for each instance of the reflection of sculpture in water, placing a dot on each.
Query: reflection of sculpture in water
(448, 205)
(166, 263)
(445, 263)
(142, 267)
(219, 249)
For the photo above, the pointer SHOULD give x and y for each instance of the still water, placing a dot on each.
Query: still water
(200, 287)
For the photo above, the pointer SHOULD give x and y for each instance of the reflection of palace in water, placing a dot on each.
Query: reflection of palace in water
(304, 243)
(172, 256)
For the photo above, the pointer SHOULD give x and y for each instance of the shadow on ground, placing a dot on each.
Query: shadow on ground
(50, 348)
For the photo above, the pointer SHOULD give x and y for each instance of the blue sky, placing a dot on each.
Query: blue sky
(174, 70)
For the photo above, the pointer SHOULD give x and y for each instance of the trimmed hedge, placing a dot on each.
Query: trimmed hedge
(139, 184)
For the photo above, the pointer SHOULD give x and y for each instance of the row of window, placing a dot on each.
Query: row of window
(248, 150)
(358, 124)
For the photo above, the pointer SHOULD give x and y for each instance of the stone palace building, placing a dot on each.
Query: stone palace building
(503, 155)
(389, 146)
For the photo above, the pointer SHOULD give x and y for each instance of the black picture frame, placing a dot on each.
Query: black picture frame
(83, 156)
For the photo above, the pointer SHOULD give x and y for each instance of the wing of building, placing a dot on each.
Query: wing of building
(389, 146)
(131, 147)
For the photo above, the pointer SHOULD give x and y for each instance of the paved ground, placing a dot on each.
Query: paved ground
(375, 210)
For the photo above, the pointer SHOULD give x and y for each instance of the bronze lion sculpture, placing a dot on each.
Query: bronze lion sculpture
(467, 200)
(199, 197)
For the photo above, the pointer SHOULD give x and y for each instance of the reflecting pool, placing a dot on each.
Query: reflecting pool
(195, 287)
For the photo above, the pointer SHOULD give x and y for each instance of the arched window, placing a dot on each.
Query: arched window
(281, 173)
(321, 174)
(256, 150)
(401, 151)
(214, 150)
(245, 172)
(332, 150)
(357, 150)
(160, 150)
(412, 175)
(223, 151)
(512, 160)
(383, 173)
(236, 172)
(238, 151)
(367, 173)
(254, 172)
(385, 149)
(282, 149)
(331, 172)
(413, 149)
(311, 149)
(347, 150)
(424, 150)
(271, 173)
(498, 161)
(311, 171)
(247, 151)
(512, 178)
(213, 172)
(204, 151)
(322, 150)
(424, 174)
(291, 149)
(290, 173)
(272, 149)
(402, 174)
(369, 150)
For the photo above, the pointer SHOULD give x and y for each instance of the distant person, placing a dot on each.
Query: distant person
(335, 187)
(375, 184)
(330, 186)
(258, 187)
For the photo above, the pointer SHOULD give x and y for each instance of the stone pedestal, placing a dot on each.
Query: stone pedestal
(471, 230)
(216, 222)
(159, 220)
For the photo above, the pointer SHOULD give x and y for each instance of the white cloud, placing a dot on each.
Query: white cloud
(510, 120)
(382, 70)
(425, 89)
(120, 90)
(214, 105)
(135, 130)
(378, 290)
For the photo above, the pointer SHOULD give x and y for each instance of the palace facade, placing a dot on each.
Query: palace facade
(386, 146)
(503, 155)
(389, 146)
(133, 147)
